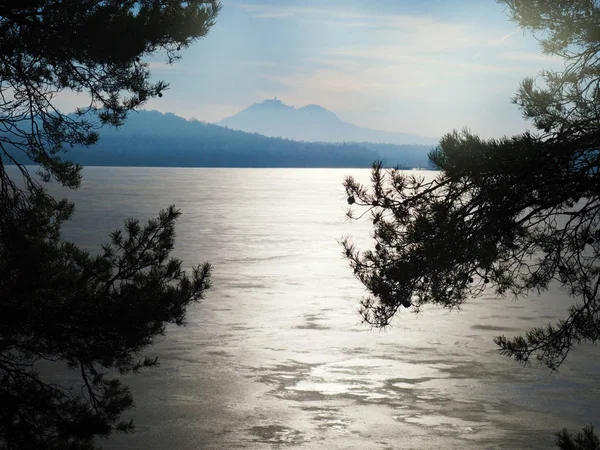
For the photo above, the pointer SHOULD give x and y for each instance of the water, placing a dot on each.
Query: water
(276, 355)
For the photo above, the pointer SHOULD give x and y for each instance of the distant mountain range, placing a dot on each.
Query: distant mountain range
(311, 123)
(154, 139)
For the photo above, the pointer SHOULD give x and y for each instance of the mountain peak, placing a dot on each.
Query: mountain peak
(310, 123)
(316, 109)
(313, 107)
(272, 101)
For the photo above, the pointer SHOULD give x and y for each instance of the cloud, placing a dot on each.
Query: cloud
(341, 17)
(506, 36)
(409, 33)
(534, 57)
(416, 40)
(264, 11)
(352, 61)
(68, 101)
(413, 59)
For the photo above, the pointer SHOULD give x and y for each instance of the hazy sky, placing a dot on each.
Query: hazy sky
(416, 66)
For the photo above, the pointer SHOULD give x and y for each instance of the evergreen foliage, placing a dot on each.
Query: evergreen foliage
(513, 215)
(584, 440)
(62, 306)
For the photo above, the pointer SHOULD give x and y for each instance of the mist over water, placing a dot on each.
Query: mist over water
(276, 355)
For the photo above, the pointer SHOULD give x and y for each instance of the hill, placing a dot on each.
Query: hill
(150, 138)
(154, 139)
(311, 123)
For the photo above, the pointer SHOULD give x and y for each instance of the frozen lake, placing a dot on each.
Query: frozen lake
(276, 355)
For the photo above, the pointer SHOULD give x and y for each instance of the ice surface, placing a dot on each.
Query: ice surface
(276, 355)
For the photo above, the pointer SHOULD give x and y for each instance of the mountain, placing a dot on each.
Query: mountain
(311, 123)
(154, 139)
(150, 138)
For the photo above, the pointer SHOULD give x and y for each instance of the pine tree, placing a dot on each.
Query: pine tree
(60, 304)
(584, 440)
(515, 214)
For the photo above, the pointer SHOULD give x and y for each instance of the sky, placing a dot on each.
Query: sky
(416, 66)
